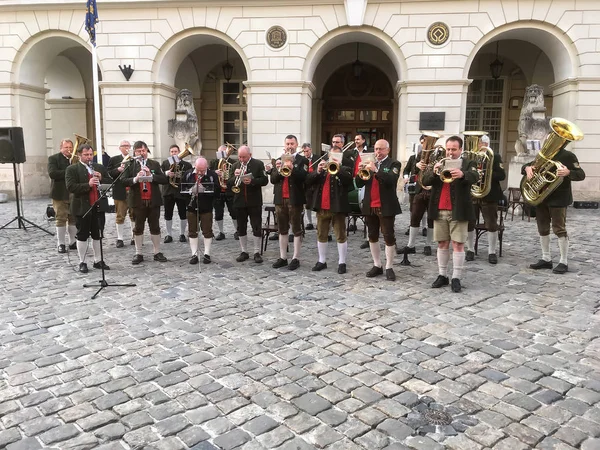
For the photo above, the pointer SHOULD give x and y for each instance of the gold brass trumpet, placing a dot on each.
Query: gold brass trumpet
(286, 171)
(334, 163)
(365, 159)
(445, 170)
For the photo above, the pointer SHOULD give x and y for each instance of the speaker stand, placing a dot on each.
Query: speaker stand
(20, 219)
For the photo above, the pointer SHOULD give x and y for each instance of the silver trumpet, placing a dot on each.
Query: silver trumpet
(238, 180)
(144, 184)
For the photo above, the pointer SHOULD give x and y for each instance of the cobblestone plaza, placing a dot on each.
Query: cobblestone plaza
(240, 355)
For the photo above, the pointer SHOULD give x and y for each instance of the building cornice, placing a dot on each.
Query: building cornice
(25, 87)
(569, 82)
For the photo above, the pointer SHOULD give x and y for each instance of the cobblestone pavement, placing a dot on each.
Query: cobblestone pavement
(240, 355)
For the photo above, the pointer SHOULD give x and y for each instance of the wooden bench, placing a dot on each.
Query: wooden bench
(480, 229)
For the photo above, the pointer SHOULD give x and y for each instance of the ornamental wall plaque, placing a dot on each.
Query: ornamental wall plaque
(276, 37)
(438, 33)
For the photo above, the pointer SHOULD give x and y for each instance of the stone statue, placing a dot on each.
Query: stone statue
(184, 127)
(533, 124)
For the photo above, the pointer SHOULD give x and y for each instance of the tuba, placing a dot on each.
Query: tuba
(176, 167)
(484, 159)
(79, 141)
(429, 154)
(225, 166)
(545, 180)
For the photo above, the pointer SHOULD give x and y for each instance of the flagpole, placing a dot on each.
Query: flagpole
(98, 129)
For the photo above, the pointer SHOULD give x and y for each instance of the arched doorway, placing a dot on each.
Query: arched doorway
(53, 100)
(358, 103)
(212, 68)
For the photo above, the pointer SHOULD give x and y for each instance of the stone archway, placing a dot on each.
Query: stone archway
(182, 63)
(52, 99)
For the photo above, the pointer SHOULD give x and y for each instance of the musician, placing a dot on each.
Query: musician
(83, 182)
(360, 143)
(145, 200)
(203, 182)
(312, 166)
(223, 197)
(418, 209)
(450, 208)
(410, 178)
(553, 210)
(249, 175)
(119, 192)
(289, 199)
(330, 201)
(57, 166)
(380, 207)
(488, 206)
(172, 195)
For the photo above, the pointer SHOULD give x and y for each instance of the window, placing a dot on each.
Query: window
(234, 120)
(484, 108)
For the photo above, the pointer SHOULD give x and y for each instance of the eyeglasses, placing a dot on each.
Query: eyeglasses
(125, 146)
(336, 142)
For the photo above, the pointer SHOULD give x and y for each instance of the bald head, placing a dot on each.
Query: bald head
(244, 154)
(382, 149)
(201, 165)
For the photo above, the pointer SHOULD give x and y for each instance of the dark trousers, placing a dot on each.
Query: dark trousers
(205, 220)
(220, 201)
(289, 215)
(143, 213)
(419, 207)
(546, 215)
(489, 211)
(91, 224)
(170, 201)
(376, 221)
(255, 215)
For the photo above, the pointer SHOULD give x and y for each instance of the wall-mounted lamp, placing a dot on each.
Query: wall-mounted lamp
(357, 66)
(227, 68)
(127, 71)
(496, 65)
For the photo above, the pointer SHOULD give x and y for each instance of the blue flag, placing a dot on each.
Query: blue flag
(91, 19)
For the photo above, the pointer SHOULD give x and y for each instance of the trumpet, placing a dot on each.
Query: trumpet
(366, 159)
(334, 163)
(445, 169)
(286, 171)
(238, 180)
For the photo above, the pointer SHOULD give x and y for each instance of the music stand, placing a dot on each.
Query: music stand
(21, 220)
(103, 282)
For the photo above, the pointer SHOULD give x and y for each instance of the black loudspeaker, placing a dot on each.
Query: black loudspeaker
(585, 205)
(12, 147)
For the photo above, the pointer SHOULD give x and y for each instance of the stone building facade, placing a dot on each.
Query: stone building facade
(310, 68)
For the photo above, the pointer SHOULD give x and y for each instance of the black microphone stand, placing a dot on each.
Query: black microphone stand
(103, 282)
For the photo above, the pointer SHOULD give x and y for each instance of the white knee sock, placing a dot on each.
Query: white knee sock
(283, 242)
(471, 241)
(60, 235)
(96, 249)
(72, 230)
(545, 243)
(308, 214)
(120, 228)
(492, 242)
(139, 241)
(563, 246)
(322, 248)
(155, 238)
(429, 238)
(257, 243)
(458, 262)
(443, 255)
(207, 244)
(244, 243)
(182, 226)
(297, 246)
(81, 249)
(390, 251)
(169, 227)
(375, 253)
(342, 252)
(412, 236)
(194, 246)
(220, 225)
